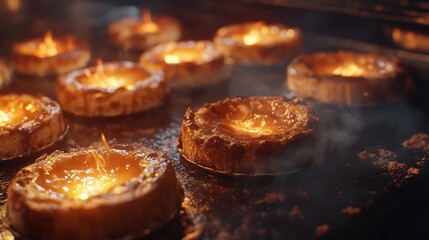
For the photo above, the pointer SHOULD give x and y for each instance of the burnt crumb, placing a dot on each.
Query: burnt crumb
(322, 230)
(302, 194)
(383, 159)
(271, 198)
(418, 141)
(350, 210)
(413, 171)
(295, 212)
(372, 192)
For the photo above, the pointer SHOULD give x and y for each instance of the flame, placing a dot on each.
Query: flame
(252, 37)
(351, 70)
(4, 118)
(106, 78)
(48, 47)
(147, 25)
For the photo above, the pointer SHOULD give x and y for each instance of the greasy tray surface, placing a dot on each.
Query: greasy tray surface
(333, 193)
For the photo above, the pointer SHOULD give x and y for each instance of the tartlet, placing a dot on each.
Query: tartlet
(127, 34)
(39, 125)
(69, 54)
(258, 43)
(188, 64)
(348, 78)
(143, 88)
(251, 136)
(50, 199)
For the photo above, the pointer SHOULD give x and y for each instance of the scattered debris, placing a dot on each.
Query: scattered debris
(413, 171)
(418, 141)
(295, 212)
(350, 210)
(322, 230)
(383, 159)
(271, 198)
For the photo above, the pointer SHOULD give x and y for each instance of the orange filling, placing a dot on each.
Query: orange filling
(84, 176)
(174, 54)
(111, 76)
(17, 110)
(46, 47)
(260, 34)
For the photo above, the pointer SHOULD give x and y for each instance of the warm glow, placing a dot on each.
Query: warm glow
(147, 25)
(350, 70)
(13, 5)
(176, 56)
(252, 37)
(254, 127)
(90, 174)
(107, 77)
(15, 112)
(47, 47)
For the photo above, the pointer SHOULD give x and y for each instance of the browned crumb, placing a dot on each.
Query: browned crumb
(295, 212)
(271, 197)
(322, 230)
(350, 210)
(384, 159)
(372, 192)
(413, 171)
(418, 141)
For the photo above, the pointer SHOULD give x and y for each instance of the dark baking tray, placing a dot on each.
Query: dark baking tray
(224, 207)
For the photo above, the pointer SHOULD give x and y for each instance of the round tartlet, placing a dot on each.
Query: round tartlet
(80, 96)
(71, 55)
(5, 74)
(348, 78)
(285, 41)
(126, 33)
(141, 194)
(39, 125)
(251, 136)
(202, 64)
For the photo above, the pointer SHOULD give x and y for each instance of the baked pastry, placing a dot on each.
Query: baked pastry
(112, 89)
(142, 33)
(258, 43)
(5, 74)
(28, 124)
(348, 78)
(187, 64)
(49, 56)
(251, 135)
(94, 194)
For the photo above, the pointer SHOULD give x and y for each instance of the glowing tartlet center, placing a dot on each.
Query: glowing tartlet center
(147, 25)
(253, 127)
(112, 77)
(89, 175)
(261, 34)
(47, 47)
(183, 55)
(14, 112)
(350, 70)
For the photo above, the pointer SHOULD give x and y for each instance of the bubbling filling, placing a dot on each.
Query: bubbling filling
(14, 110)
(175, 53)
(47, 46)
(85, 175)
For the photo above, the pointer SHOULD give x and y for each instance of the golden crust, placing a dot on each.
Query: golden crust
(310, 76)
(205, 72)
(124, 33)
(134, 208)
(263, 54)
(64, 62)
(83, 100)
(209, 139)
(32, 135)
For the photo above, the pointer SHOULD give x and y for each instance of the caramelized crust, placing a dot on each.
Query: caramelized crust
(190, 74)
(82, 99)
(5, 74)
(250, 135)
(382, 78)
(32, 134)
(236, 51)
(125, 33)
(134, 208)
(63, 62)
